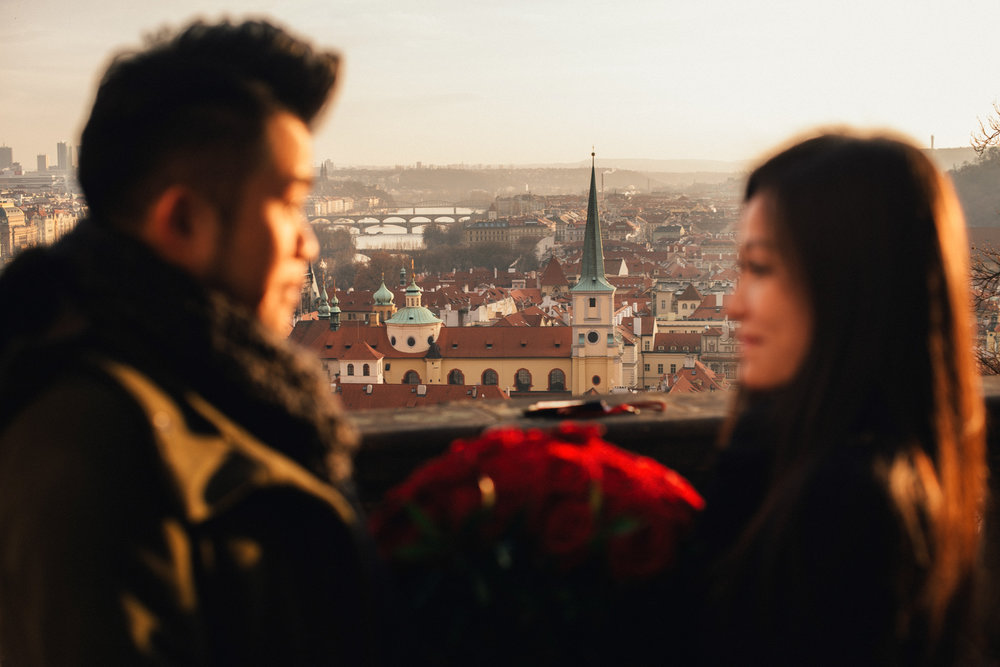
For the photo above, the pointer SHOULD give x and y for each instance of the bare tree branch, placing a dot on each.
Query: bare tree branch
(989, 132)
(985, 279)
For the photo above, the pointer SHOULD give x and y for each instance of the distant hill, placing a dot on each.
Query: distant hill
(978, 187)
(451, 184)
(654, 166)
(947, 159)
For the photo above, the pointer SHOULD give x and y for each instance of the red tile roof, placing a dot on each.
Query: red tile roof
(697, 378)
(676, 342)
(689, 294)
(454, 342)
(553, 274)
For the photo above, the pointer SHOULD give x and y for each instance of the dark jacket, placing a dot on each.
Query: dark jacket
(822, 572)
(173, 479)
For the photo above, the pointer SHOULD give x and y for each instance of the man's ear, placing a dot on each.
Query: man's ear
(183, 228)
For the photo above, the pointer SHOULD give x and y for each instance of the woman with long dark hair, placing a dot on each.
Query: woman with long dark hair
(842, 524)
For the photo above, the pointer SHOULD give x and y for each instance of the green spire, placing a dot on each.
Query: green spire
(324, 306)
(592, 265)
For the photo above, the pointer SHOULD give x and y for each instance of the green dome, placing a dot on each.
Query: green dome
(413, 315)
(334, 302)
(324, 306)
(383, 297)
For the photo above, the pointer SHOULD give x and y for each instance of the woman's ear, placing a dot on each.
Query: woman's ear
(183, 228)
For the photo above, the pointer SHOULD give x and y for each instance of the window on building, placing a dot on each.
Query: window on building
(673, 368)
(557, 380)
(411, 377)
(490, 377)
(522, 380)
(350, 369)
(659, 368)
(456, 377)
(593, 302)
(645, 345)
(366, 370)
(645, 367)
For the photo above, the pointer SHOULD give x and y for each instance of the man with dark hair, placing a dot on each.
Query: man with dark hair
(174, 477)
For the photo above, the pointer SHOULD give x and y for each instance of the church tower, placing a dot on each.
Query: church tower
(596, 355)
(385, 306)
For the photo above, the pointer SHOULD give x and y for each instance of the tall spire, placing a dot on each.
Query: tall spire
(592, 277)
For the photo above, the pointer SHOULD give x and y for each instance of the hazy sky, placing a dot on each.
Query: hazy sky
(451, 81)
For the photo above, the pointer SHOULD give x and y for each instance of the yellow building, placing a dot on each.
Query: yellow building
(596, 358)
(413, 347)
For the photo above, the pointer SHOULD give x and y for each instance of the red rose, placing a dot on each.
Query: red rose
(567, 530)
(643, 552)
(558, 490)
(570, 470)
(518, 475)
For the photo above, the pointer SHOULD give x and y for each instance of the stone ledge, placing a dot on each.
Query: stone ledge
(394, 442)
(683, 436)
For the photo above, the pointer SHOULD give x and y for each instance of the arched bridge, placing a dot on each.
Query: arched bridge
(409, 216)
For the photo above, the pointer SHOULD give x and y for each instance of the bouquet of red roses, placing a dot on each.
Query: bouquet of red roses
(542, 535)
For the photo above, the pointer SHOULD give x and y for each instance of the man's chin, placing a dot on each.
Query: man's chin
(277, 317)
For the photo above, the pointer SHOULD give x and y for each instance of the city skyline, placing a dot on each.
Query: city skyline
(443, 82)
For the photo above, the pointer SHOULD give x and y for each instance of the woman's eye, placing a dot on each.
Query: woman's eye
(755, 268)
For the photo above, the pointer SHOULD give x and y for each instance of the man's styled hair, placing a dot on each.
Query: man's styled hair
(192, 108)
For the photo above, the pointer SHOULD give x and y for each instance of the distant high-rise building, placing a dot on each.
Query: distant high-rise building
(6, 157)
(62, 156)
(43, 163)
